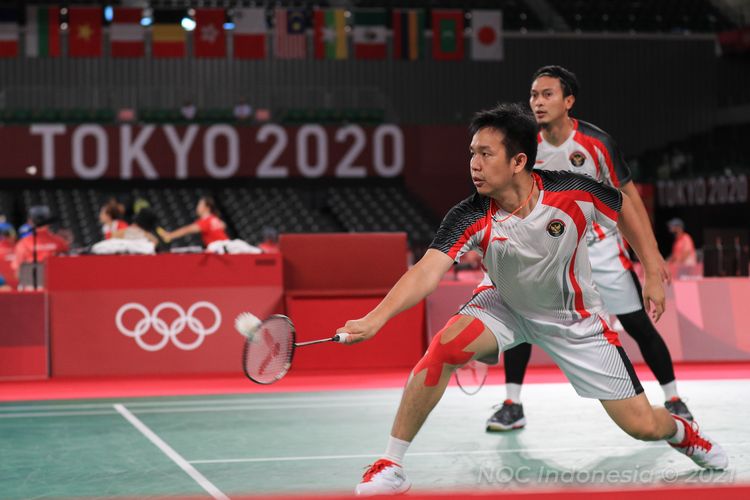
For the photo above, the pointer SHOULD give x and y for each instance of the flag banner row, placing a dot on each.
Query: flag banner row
(330, 33)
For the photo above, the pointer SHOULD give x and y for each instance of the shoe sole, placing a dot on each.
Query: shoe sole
(497, 427)
(398, 492)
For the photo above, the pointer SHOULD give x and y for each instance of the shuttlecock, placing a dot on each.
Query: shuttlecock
(247, 324)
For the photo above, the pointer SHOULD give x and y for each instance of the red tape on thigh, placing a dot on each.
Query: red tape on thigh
(451, 353)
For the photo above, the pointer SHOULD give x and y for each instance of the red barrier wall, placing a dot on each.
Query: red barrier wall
(342, 261)
(164, 314)
(331, 278)
(399, 344)
(23, 335)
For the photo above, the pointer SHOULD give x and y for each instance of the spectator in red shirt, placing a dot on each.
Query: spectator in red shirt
(683, 248)
(209, 225)
(111, 215)
(47, 242)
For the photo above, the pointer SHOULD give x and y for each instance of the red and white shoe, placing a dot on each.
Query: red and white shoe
(701, 448)
(383, 478)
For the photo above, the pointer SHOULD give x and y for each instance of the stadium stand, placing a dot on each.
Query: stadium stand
(290, 208)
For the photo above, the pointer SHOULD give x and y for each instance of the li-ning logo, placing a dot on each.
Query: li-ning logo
(152, 319)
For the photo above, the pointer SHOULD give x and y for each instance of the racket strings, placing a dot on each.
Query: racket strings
(268, 354)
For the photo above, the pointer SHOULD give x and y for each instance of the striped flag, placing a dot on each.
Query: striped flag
(329, 34)
(126, 35)
(43, 32)
(448, 35)
(168, 39)
(290, 39)
(369, 34)
(85, 32)
(486, 35)
(408, 34)
(9, 32)
(209, 38)
(250, 34)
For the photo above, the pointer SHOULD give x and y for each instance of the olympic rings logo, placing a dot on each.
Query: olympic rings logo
(168, 332)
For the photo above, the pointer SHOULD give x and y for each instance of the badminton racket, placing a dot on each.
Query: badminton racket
(269, 349)
(470, 377)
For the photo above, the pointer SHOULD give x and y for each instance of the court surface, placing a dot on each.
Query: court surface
(319, 442)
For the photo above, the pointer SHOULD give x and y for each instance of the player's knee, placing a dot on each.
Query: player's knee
(447, 349)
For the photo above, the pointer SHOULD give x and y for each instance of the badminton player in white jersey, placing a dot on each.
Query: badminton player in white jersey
(569, 144)
(530, 229)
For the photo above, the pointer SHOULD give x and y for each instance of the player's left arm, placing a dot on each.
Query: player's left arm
(632, 193)
(639, 239)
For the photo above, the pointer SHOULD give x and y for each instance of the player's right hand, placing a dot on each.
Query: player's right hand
(358, 330)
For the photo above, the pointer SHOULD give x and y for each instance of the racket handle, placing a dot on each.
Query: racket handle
(341, 337)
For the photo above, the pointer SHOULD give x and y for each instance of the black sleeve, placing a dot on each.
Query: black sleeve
(620, 166)
(601, 193)
(456, 229)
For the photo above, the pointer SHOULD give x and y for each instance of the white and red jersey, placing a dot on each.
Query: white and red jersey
(116, 225)
(588, 151)
(539, 264)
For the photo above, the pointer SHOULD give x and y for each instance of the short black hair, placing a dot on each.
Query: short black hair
(519, 129)
(568, 79)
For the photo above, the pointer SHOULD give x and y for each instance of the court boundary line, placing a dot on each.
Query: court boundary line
(191, 471)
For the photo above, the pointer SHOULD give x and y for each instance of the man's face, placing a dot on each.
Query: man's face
(491, 169)
(547, 101)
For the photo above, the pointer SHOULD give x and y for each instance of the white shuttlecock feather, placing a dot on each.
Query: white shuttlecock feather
(247, 324)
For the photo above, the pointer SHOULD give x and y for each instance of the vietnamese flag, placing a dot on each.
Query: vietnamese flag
(85, 32)
(209, 39)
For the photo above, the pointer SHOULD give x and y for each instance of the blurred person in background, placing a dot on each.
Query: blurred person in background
(7, 250)
(47, 242)
(683, 248)
(243, 111)
(188, 110)
(270, 243)
(111, 216)
(209, 225)
(143, 228)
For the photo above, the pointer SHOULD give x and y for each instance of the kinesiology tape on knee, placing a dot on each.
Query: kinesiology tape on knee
(451, 353)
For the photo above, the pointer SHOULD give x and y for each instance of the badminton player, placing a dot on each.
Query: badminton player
(569, 144)
(530, 229)
(209, 225)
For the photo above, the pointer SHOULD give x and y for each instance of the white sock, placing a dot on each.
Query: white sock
(513, 392)
(396, 449)
(670, 390)
(679, 435)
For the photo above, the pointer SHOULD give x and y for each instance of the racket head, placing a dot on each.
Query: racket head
(471, 377)
(267, 355)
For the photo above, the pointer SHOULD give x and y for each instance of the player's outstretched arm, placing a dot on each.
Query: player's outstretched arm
(631, 191)
(416, 284)
(631, 227)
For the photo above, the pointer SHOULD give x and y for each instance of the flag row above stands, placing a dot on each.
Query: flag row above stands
(296, 34)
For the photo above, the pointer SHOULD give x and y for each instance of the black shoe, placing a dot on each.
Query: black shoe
(507, 418)
(676, 406)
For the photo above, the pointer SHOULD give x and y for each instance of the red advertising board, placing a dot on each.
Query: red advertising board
(23, 335)
(164, 314)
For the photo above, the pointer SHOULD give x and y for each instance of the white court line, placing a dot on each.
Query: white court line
(207, 409)
(418, 454)
(171, 453)
(654, 445)
(197, 402)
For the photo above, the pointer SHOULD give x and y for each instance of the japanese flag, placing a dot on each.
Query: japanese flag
(486, 35)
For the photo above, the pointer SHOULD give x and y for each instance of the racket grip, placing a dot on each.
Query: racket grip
(341, 337)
